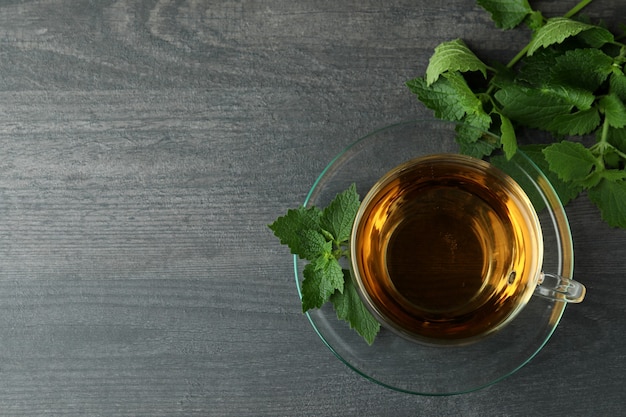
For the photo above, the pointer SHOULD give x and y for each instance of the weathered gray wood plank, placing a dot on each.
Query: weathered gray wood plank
(145, 146)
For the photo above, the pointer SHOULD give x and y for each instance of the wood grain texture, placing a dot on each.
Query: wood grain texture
(145, 147)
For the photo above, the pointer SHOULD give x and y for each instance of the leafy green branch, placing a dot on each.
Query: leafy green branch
(321, 238)
(568, 80)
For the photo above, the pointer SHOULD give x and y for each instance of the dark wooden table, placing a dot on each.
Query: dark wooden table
(145, 147)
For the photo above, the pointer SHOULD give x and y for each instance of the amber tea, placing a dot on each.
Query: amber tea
(446, 249)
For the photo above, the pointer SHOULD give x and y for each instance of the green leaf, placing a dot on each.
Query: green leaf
(290, 227)
(503, 77)
(508, 138)
(583, 68)
(322, 278)
(350, 308)
(440, 97)
(566, 191)
(556, 30)
(478, 120)
(466, 96)
(610, 197)
(473, 135)
(614, 110)
(582, 99)
(507, 14)
(613, 174)
(578, 123)
(532, 107)
(571, 161)
(596, 37)
(313, 244)
(618, 84)
(590, 180)
(477, 148)
(450, 96)
(606, 174)
(572, 75)
(612, 161)
(536, 70)
(534, 20)
(338, 216)
(450, 57)
(474, 127)
(617, 138)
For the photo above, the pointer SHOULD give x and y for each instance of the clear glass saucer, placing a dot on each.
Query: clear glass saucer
(406, 366)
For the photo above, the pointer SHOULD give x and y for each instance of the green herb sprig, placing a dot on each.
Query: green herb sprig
(321, 237)
(568, 80)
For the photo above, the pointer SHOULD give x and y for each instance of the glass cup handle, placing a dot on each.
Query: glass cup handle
(560, 288)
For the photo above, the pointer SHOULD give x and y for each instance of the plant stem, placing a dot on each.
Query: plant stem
(578, 8)
(603, 145)
(572, 12)
(605, 132)
(521, 54)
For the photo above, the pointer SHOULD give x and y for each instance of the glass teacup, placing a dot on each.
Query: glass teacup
(447, 249)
